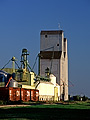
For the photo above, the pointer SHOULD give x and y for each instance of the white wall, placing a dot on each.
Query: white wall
(50, 41)
(45, 88)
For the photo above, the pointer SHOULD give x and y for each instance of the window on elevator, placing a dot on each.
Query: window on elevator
(45, 36)
(64, 44)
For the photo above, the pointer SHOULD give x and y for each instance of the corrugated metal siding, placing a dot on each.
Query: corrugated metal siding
(25, 94)
(4, 93)
(34, 95)
(9, 94)
(17, 94)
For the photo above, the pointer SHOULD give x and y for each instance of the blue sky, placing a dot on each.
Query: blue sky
(22, 20)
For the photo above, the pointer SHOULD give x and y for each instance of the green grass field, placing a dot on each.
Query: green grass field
(62, 111)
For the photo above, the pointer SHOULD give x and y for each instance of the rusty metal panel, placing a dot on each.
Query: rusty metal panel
(22, 94)
(37, 95)
(4, 93)
(34, 95)
(9, 94)
(25, 94)
(16, 94)
(28, 95)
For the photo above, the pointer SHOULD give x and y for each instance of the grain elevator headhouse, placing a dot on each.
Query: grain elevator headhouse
(53, 55)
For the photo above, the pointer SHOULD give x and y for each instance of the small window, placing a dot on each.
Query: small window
(57, 44)
(64, 40)
(45, 36)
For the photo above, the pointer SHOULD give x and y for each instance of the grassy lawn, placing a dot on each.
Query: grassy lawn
(63, 111)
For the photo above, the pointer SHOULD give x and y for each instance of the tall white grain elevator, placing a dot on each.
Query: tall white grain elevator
(53, 52)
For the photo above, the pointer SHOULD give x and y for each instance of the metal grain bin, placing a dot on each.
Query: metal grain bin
(13, 83)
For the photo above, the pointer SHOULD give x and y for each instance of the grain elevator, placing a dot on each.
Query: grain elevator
(53, 56)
